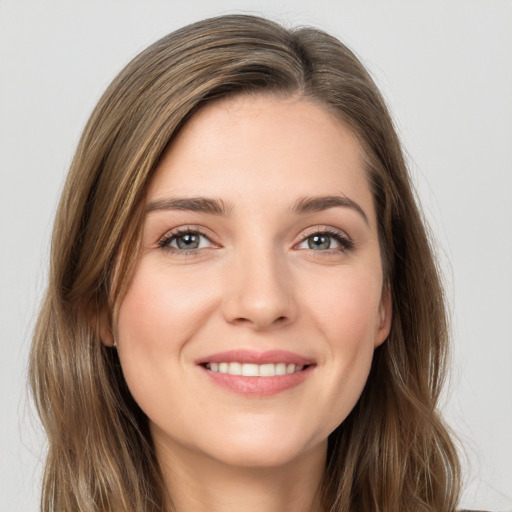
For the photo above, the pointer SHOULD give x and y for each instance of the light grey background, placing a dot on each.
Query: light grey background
(445, 68)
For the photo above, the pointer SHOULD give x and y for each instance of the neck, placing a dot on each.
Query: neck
(201, 484)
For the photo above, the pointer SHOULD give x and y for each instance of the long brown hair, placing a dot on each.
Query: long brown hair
(393, 452)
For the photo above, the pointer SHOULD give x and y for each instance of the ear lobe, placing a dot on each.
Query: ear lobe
(385, 316)
(103, 328)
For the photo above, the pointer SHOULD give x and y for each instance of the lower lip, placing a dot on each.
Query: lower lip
(258, 386)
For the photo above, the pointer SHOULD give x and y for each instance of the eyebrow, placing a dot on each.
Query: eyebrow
(219, 207)
(193, 204)
(320, 203)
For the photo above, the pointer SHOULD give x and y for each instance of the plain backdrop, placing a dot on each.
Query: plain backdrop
(445, 68)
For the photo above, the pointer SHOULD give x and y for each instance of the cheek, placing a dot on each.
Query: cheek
(161, 309)
(347, 308)
(347, 315)
(157, 317)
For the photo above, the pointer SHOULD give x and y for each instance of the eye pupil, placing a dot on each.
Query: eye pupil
(188, 241)
(319, 242)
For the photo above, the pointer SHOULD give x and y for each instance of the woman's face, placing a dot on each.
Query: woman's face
(260, 257)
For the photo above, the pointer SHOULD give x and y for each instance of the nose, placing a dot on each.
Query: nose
(259, 291)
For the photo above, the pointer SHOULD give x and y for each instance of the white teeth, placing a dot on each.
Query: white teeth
(250, 370)
(267, 370)
(235, 369)
(255, 370)
(281, 369)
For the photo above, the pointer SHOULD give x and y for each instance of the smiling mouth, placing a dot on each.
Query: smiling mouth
(255, 370)
(254, 373)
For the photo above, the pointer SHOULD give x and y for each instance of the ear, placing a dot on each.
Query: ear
(102, 325)
(385, 316)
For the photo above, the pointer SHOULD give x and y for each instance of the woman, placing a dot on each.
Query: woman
(243, 309)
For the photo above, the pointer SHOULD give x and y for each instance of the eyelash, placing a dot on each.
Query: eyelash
(346, 243)
(165, 242)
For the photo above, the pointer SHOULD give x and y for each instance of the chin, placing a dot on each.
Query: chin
(263, 451)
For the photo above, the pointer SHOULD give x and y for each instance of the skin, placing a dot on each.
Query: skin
(253, 283)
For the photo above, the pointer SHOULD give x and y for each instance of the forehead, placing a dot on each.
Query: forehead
(262, 149)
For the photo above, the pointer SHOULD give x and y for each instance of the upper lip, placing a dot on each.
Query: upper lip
(256, 357)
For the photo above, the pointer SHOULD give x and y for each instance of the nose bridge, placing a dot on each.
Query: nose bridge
(260, 288)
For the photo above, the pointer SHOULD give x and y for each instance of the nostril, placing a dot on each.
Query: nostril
(243, 320)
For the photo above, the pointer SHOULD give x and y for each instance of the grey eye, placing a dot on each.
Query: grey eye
(319, 242)
(188, 241)
(325, 241)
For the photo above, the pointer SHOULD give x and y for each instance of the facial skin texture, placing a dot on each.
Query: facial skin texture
(254, 283)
